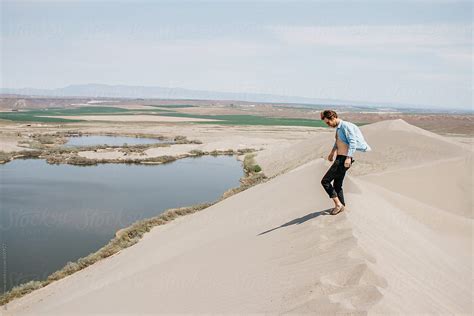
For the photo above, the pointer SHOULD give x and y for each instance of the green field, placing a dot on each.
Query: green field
(250, 120)
(171, 106)
(35, 116)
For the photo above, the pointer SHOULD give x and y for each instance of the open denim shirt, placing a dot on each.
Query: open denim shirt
(350, 134)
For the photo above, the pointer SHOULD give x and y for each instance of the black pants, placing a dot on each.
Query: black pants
(336, 172)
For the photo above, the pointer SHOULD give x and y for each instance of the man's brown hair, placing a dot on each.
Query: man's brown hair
(329, 114)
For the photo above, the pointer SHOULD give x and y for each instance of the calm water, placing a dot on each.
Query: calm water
(111, 140)
(52, 214)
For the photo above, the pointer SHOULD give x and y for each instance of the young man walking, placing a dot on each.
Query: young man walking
(349, 138)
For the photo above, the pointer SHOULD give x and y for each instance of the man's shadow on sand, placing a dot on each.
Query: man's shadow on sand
(300, 220)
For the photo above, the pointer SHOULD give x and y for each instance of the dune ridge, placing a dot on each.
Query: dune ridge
(273, 248)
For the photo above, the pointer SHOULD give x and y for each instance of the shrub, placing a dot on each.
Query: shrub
(249, 164)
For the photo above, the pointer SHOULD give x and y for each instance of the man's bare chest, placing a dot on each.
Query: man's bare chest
(339, 143)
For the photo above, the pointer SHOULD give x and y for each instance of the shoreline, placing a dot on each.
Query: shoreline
(130, 235)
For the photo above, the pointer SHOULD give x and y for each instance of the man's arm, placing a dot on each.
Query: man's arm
(351, 138)
(331, 154)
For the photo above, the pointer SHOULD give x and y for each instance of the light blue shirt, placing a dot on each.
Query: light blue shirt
(350, 134)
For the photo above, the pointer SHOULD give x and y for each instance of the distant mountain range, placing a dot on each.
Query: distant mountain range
(125, 91)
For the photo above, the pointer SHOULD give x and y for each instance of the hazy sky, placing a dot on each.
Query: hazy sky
(415, 52)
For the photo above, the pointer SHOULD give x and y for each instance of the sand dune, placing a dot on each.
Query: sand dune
(452, 178)
(404, 245)
(395, 144)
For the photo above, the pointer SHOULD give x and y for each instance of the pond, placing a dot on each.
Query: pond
(95, 140)
(52, 214)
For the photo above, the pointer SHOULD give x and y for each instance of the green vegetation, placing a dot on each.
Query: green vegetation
(176, 106)
(250, 120)
(249, 164)
(35, 116)
(32, 117)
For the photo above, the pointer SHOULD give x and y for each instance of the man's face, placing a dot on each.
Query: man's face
(331, 122)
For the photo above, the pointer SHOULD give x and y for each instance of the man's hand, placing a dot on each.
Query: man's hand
(347, 162)
(331, 156)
